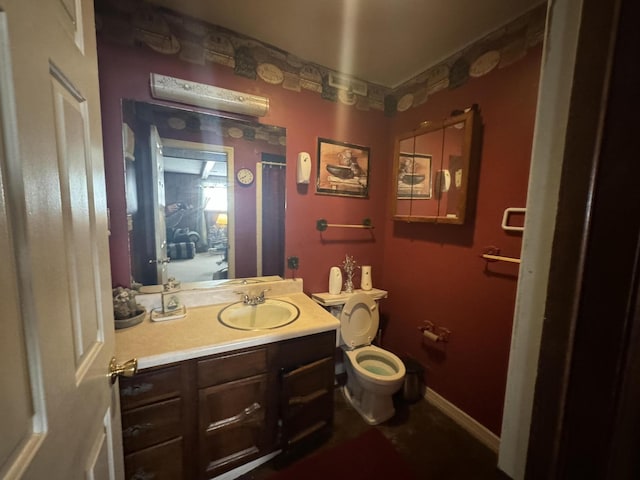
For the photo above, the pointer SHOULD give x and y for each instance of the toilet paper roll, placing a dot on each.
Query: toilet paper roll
(365, 280)
(335, 281)
(431, 336)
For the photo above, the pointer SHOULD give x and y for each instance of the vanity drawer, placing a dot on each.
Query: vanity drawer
(304, 421)
(298, 351)
(150, 386)
(151, 424)
(224, 368)
(305, 383)
(160, 462)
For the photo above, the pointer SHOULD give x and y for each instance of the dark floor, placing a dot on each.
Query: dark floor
(434, 445)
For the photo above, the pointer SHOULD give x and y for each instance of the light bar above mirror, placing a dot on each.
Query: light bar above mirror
(207, 96)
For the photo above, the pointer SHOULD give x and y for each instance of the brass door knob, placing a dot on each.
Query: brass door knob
(127, 369)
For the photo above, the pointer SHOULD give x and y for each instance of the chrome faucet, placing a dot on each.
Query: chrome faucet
(244, 296)
(253, 299)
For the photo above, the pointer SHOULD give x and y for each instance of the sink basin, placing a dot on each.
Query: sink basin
(273, 313)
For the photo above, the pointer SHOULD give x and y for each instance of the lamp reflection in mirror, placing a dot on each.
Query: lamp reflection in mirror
(222, 219)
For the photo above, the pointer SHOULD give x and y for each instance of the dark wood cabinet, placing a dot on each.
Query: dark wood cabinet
(306, 368)
(307, 401)
(203, 417)
(232, 410)
(157, 423)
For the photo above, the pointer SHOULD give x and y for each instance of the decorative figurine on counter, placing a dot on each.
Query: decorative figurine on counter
(124, 303)
(126, 310)
(170, 296)
(349, 265)
(172, 307)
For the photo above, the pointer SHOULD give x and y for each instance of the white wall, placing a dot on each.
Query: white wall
(563, 22)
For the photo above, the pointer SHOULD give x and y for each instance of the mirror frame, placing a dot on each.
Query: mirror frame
(470, 144)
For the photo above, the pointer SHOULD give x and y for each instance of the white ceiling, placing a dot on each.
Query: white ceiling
(385, 42)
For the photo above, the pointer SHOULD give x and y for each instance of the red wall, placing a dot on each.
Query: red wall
(124, 73)
(432, 272)
(435, 273)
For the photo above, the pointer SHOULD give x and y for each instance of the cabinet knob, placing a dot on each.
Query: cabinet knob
(135, 430)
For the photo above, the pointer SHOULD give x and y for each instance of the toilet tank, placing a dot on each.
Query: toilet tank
(335, 303)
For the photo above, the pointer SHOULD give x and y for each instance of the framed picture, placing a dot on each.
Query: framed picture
(414, 176)
(343, 169)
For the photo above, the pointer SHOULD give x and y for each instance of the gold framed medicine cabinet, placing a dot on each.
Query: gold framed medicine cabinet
(435, 170)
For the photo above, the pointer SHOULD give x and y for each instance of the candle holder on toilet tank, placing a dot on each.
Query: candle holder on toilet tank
(349, 266)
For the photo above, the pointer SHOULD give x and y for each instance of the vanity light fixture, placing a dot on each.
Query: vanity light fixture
(207, 96)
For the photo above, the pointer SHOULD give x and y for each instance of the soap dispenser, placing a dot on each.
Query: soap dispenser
(365, 279)
(335, 281)
(171, 296)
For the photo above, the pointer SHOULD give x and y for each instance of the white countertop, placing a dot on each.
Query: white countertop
(200, 333)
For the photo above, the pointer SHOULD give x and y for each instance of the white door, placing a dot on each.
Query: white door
(159, 204)
(59, 414)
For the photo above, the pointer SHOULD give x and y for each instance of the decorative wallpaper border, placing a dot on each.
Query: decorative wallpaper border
(137, 23)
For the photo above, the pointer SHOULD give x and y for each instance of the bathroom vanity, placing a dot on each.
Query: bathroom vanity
(209, 399)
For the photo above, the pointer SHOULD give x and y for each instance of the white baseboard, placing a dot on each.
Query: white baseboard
(479, 431)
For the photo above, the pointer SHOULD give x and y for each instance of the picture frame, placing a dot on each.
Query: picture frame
(343, 169)
(414, 176)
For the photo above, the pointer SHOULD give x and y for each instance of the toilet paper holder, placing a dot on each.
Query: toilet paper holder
(434, 333)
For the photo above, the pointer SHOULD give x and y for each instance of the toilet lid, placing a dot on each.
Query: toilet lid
(359, 320)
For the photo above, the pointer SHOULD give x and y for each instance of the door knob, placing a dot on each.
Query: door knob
(161, 261)
(127, 369)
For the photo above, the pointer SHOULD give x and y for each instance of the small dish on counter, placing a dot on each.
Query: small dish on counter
(131, 321)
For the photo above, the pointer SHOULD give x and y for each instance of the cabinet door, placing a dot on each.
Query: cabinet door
(307, 400)
(232, 424)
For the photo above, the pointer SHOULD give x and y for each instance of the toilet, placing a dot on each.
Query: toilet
(373, 374)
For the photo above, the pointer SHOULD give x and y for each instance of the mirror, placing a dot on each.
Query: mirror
(205, 195)
(435, 169)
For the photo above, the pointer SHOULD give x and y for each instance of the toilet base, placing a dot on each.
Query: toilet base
(374, 409)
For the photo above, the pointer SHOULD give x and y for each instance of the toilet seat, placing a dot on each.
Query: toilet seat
(359, 320)
(379, 366)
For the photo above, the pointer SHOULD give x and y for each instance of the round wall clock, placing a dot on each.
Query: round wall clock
(244, 176)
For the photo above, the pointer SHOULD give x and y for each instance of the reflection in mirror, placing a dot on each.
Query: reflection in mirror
(453, 172)
(188, 217)
(429, 145)
(433, 165)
